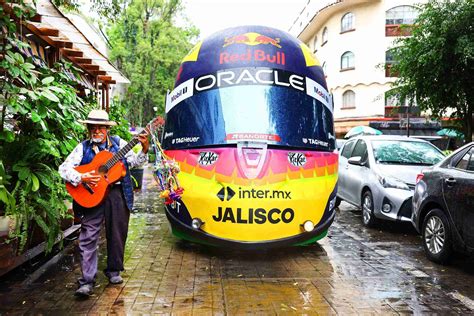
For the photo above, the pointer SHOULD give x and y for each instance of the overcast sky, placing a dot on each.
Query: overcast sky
(213, 15)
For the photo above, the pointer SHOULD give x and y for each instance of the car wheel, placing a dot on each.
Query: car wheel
(436, 233)
(368, 217)
(338, 202)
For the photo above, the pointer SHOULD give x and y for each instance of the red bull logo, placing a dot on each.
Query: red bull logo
(251, 39)
(257, 55)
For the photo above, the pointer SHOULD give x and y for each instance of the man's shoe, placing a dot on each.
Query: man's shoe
(116, 279)
(84, 290)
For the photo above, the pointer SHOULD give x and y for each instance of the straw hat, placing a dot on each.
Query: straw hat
(99, 117)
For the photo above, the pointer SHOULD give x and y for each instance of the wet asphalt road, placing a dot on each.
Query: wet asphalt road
(353, 270)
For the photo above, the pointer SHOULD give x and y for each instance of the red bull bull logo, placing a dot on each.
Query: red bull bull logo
(251, 39)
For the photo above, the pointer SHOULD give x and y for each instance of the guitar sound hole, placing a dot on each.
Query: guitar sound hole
(103, 170)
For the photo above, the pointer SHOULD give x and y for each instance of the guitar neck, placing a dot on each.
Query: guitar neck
(121, 153)
(124, 150)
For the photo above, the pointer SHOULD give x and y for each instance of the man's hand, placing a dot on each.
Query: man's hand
(143, 138)
(91, 178)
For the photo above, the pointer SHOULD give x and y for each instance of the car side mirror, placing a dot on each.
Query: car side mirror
(357, 160)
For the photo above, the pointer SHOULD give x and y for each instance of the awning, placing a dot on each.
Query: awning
(39, 57)
(58, 30)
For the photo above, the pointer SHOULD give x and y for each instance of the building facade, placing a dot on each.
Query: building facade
(352, 40)
(51, 36)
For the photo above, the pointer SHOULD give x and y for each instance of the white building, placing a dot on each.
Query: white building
(351, 39)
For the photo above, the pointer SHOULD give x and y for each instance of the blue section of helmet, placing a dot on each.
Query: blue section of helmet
(250, 46)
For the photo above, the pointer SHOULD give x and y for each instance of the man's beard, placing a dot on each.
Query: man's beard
(97, 139)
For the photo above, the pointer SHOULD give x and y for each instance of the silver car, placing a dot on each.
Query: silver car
(378, 173)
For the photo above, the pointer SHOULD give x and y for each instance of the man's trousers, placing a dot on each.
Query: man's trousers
(116, 215)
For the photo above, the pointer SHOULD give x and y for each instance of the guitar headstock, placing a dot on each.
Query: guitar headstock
(154, 124)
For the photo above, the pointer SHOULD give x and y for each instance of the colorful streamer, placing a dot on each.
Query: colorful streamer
(165, 172)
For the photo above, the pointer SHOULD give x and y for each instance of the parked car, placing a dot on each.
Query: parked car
(443, 205)
(378, 174)
(340, 143)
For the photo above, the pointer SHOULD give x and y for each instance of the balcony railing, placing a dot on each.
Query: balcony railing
(398, 30)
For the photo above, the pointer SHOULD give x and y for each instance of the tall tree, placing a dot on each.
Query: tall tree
(107, 9)
(436, 64)
(148, 48)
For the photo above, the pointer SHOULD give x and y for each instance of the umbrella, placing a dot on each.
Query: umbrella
(362, 130)
(449, 132)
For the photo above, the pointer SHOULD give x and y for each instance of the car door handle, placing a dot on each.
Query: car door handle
(450, 181)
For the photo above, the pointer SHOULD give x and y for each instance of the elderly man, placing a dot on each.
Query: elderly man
(115, 209)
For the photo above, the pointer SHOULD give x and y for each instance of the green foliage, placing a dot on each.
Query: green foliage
(436, 64)
(38, 129)
(148, 49)
(118, 113)
(109, 9)
(5, 196)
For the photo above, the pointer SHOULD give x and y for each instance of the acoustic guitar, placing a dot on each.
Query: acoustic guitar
(109, 167)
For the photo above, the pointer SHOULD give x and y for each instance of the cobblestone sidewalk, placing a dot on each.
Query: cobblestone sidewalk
(341, 275)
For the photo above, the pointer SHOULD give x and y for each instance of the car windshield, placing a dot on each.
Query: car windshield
(405, 152)
(278, 115)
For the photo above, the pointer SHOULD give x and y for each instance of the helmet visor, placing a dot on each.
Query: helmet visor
(280, 115)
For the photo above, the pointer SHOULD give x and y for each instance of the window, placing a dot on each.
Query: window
(404, 14)
(395, 105)
(360, 150)
(467, 161)
(315, 42)
(347, 22)
(389, 61)
(346, 151)
(325, 36)
(405, 152)
(389, 57)
(394, 100)
(348, 99)
(347, 60)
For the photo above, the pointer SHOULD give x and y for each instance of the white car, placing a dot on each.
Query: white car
(378, 174)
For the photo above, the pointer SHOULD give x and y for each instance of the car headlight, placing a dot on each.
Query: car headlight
(392, 182)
